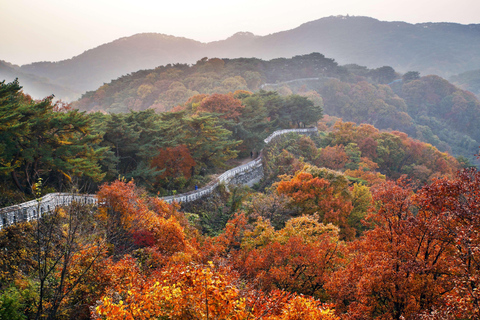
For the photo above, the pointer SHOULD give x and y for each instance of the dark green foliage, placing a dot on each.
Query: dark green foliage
(267, 111)
(252, 127)
(381, 97)
(410, 76)
(42, 140)
(383, 75)
(209, 142)
(52, 142)
(11, 305)
(354, 154)
(133, 139)
(301, 110)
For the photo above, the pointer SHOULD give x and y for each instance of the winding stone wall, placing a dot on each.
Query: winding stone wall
(34, 209)
(243, 174)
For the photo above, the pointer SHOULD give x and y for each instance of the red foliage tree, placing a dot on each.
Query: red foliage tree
(175, 162)
(332, 157)
(225, 104)
(146, 221)
(421, 259)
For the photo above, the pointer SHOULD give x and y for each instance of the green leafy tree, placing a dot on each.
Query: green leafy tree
(208, 142)
(383, 74)
(302, 110)
(11, 305)
(134, 140)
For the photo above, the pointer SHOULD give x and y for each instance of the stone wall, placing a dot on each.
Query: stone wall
(248, 173)
(249, 177)
(34, 209)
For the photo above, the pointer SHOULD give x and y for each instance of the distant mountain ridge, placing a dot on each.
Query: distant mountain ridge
(37, 86)
(109, 61)
(444, 49)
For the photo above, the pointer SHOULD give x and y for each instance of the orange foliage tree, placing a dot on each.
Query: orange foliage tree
(395, 152)
(314, 194)
(197, 292)
(297, 258)
(366, 172)
(304, 308)
(134, 221)
(452, 209)
(176, 292)
(225, 104)
(220, 247)
(282, 305)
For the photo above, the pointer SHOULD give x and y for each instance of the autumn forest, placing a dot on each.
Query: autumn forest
(375, 217)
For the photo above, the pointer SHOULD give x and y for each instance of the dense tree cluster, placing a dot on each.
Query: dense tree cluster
(362, 149)
(427, 108)
(167, 152)
(136, 256)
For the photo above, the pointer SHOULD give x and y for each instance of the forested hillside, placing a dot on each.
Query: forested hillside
(469, 80)
(352, 223)
(428, 108)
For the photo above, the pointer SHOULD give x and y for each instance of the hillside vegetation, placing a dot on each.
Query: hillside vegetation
(353, 223)
(469, 80)
(428, 108)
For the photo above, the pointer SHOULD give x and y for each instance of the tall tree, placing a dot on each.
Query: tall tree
(298, 258)
(302, 110)
(40, 142)
(208, 142)
(175, 164)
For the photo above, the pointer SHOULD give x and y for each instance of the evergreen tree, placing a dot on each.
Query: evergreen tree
(38, 141)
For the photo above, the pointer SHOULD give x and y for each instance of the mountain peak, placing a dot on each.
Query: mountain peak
(243, 35)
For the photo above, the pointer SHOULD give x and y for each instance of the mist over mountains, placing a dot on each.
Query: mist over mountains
(445, 49)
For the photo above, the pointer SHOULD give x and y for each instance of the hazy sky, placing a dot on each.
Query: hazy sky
(52, 30)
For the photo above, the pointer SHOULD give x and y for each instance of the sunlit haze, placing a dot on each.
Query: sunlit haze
(53, 30)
